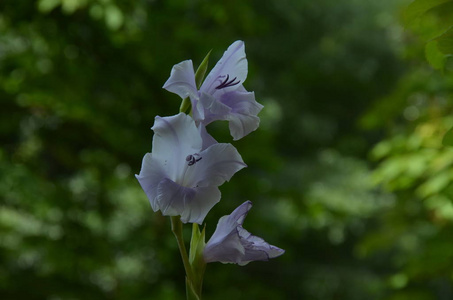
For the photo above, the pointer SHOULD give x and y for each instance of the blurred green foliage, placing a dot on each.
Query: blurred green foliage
(347, 171)
(432, 20)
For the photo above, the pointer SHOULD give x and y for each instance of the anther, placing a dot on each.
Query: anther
(192, 159)
(227, 82)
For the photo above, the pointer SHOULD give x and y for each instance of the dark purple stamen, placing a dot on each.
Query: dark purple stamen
(227, 83)
(192, 159)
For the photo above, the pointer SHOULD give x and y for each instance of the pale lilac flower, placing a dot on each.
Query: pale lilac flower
(231, 243)
(180, 176)
(222, 95)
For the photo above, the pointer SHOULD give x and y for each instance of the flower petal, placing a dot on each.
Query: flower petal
(229, 251)
(238, 215)
(218, 164)
(208, 140)
(227, 224)
(243, 115)
(192, 204)
(238, 107)
(150, 175)
(233, 63)
(205, 198)
(182, 80)
(213, 109)
(174, 138)
(224, 245)
(231, 243)
(172, 197)
(256, 249)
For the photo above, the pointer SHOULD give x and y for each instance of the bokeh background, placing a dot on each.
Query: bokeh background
(346, 172)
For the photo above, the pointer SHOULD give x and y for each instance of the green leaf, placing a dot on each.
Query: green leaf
(47, 6)
(448, 138)
(418, 8)
(434, 56)
(434, 184)
(445, 42)
(201, 71)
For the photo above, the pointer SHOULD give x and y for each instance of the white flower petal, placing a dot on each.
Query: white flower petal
(239, 108)
(208, 140)
(243, 115)
(174, 138)
(218, 164)
(150, 175)
(172, 198)
(182, 80)
(213, 109)
(205, 198)
(192, 204)
(230, 250)
(227, 225)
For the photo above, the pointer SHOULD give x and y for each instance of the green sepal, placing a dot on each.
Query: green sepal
(201, 71)
(448, 138)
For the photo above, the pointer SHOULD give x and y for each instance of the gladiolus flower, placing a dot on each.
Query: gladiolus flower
(222, 95)
(180, 176)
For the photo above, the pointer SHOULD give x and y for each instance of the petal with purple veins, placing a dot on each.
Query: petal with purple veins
(231, 243)
(232, 64)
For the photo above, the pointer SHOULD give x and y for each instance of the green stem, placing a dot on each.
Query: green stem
(185, 105)
(193, 286)
(176, 227)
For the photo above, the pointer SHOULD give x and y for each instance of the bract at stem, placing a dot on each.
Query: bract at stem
(196, 259)
(201, 71)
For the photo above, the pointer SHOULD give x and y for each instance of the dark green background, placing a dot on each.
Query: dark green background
(346, 172)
